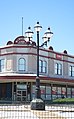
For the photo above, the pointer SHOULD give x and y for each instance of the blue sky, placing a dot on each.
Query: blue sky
(58, 14)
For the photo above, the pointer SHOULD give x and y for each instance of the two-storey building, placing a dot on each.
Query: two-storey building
(18, 70)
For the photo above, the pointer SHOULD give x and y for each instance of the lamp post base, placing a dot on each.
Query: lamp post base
(37, 104)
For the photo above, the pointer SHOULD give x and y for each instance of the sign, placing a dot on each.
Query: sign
(58, 56)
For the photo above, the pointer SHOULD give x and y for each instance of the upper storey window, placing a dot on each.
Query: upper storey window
(58, 68)
(71, 70)
(42, 66)
(22, 64)
(2, 65)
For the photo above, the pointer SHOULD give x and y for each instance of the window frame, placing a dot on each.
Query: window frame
(58, 68)
(2, 65)
(71, 70)
(42, 66)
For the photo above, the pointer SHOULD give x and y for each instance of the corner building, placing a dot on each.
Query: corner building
(18, 70)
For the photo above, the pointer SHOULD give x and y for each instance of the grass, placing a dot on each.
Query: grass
(64, 101)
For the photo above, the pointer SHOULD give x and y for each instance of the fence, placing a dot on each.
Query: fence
(23, 111)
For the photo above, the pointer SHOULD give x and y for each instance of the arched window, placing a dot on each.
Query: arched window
(21, 64)
(58, 68)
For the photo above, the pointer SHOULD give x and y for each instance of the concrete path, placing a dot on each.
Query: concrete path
(24, 112)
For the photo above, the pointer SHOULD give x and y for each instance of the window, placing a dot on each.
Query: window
(58, 68)
(42, 66)
(1, 65)
(71, 70)
(48, 93)
(42, 89)
(22, 64)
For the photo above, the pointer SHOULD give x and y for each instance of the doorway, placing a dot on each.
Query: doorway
(21, 95)
(22, 91)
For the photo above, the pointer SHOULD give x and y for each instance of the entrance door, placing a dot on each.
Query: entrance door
(21, 95)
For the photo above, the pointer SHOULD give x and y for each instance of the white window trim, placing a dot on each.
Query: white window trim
(70, 64)
(41, 67)
(59, 62)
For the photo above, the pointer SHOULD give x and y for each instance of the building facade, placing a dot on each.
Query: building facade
(18, 70)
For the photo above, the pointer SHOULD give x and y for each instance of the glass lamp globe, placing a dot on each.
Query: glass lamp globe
(37, 27)
(29, 33)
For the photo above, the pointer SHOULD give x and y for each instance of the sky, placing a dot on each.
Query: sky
(56, 14)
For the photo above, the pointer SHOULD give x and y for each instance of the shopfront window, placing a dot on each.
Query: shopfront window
(42, 88)
(63, 92)
(69, 92)
(54, 92)
(48, 93)
(33, 91)
(58, 92)
(72, 92)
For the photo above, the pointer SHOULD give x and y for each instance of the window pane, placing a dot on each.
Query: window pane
(59, 71)
(43, 69)
(73, 68)
(63, 91)
(40, 63)
(69, 70)
(40, 66)
(69, 91)
(55, 71)
(48, 90)
(72, 92)
(33, 88)
(22, 67)
(48, 97)
(59, 90)
(21, 61)
(42, 88)
(72, 73)
(56, 68)
(44, 64)
(43, 97)
(59, 66)
(54, 90)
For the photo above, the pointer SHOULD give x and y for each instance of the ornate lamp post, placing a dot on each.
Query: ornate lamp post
(38, 103)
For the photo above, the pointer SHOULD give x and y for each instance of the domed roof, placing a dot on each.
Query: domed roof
(20, 40)
(9, 42)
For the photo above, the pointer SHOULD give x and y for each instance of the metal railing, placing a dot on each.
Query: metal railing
(23, 111)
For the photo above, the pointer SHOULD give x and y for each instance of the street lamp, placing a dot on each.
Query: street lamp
(29, 33)
(38, 103)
